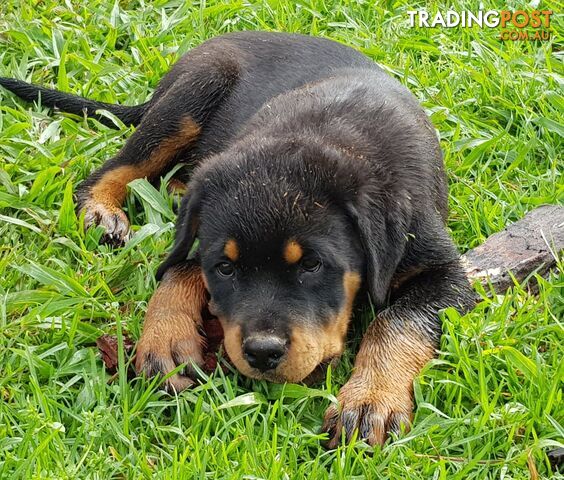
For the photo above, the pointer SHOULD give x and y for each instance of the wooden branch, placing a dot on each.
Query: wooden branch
(531, 245)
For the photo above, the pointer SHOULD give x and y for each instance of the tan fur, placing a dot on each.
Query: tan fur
(308, 346)
(231, 250)
(293, 252)
(336, 331)
(176, 187)
(389, 359)
(380, 391)
(172, 321)
(232, 343)
(304, 355)
(111, 188)
(307, 351)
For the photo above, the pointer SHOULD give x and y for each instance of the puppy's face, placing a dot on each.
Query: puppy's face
(284, 299)
(282, 264)
(288, 230)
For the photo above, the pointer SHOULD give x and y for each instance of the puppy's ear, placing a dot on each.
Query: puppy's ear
(187, 224)
(382, 230)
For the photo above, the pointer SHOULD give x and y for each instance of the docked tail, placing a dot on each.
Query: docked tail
(67, 102)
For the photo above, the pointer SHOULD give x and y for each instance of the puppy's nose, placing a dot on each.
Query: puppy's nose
(264, 353)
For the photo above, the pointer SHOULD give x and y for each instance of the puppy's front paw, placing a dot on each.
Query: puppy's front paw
(165, 345)
(371, 410)
(113, 219)
(171, 333)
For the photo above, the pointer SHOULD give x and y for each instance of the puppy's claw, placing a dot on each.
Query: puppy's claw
(158, 356)
(371, 412)
(113, 219)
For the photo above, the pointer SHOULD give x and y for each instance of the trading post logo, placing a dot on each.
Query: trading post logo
(515, 25)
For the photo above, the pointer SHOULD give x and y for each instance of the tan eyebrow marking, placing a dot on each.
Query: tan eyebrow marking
(293, 252)
(231, 250)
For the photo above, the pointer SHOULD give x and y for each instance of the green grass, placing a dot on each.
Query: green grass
(489, 407)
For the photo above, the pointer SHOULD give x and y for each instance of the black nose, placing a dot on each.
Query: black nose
(264, 353)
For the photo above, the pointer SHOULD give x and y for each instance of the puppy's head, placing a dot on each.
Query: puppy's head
(283, 250)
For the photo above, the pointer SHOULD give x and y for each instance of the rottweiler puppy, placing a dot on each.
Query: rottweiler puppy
(317, 181)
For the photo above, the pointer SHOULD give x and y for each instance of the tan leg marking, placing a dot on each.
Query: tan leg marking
(106, 196)
(378, 398)
(170, 333)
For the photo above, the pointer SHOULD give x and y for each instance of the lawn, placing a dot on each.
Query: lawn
(490, 405)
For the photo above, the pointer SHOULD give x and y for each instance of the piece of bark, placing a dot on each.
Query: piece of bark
(526, 246)
(108, 347)
(213, 333)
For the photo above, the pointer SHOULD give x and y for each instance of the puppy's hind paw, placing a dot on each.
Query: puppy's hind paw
(112, 219)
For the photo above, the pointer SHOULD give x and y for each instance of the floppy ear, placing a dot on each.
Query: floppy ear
(187, 224)
(382, 230)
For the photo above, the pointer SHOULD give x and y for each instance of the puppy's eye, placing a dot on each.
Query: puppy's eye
(310, 264)
(225, 269)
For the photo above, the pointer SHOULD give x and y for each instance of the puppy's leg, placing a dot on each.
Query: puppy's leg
(167, 130)
(378, 398)
(171, 331)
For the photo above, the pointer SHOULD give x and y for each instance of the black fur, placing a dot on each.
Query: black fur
(69, 103)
